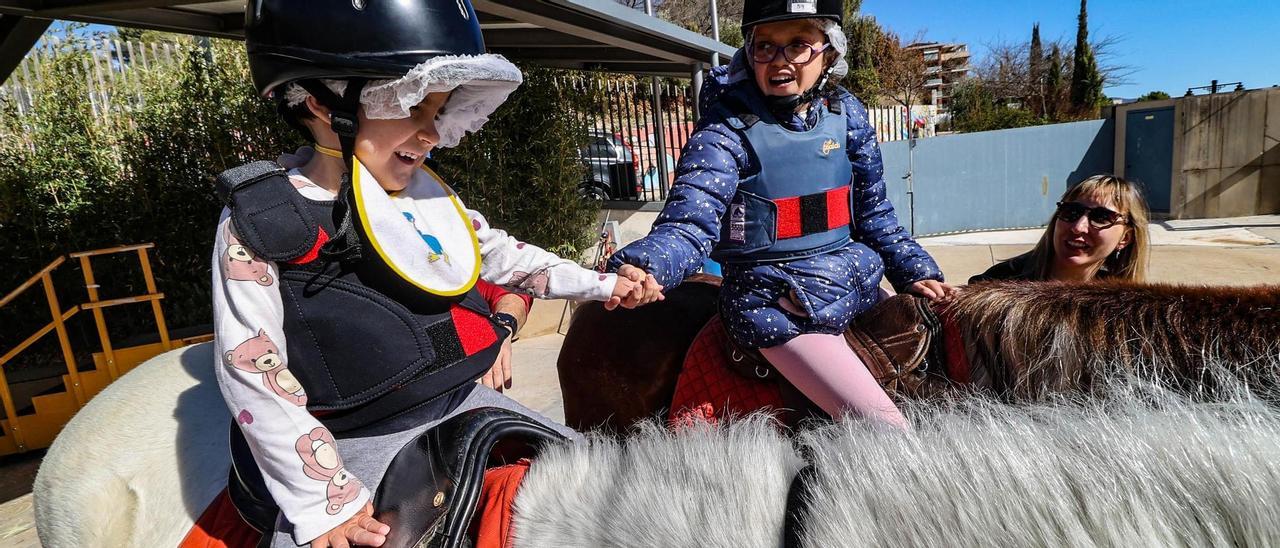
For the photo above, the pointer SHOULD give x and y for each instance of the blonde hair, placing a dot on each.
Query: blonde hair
(1129, 263)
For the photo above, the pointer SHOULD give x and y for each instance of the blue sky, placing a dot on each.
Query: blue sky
(1172, 44)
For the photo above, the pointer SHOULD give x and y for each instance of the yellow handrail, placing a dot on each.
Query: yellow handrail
(31, 281)
(110, 250)
(58, 324)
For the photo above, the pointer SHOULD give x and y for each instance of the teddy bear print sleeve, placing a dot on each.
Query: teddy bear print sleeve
(530, 269)
(297, 456)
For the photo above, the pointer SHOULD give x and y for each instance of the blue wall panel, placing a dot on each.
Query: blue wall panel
(995, 179)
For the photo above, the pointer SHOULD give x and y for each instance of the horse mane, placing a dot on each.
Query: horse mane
(1133, 470)
(1026, 339)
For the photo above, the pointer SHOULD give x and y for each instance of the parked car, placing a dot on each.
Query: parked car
(612, 168)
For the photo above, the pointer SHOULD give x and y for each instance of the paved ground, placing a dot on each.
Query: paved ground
(1242, 251)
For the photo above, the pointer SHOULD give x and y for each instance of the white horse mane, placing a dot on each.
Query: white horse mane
(1132, 470)
(702, 486)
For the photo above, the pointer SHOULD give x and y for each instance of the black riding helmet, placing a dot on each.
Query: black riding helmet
(290, 41)
(755, 12)
(357, 41)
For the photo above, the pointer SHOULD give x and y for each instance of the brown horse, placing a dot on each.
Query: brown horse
(1018, 341)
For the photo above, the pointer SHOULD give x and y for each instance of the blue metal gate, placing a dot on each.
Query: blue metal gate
(1148, 153)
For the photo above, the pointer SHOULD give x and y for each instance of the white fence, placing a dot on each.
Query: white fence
(893, 124)
(110, 69)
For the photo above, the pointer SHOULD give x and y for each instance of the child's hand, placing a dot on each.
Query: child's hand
(499, 376)
(361, 529)
(934, 290)
(623, 289)
(649, 291)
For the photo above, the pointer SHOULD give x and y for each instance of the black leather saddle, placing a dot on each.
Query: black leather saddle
(429, 493)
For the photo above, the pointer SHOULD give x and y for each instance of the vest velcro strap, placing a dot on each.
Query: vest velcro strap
(269, 215)
(813, 213)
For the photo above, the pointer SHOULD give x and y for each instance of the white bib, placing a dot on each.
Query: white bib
(422, 232)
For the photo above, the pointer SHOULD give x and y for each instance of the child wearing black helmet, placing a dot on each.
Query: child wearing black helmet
(345, 312)
(782, 183)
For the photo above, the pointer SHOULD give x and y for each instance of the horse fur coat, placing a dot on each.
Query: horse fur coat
(1137, 465)
(141, 461)
(1141, 469)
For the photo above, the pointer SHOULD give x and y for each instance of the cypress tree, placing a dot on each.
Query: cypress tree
(1086, 81)
(1036, 70)
(1053, 83)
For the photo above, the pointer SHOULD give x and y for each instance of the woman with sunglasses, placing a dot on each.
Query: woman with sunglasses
(783, 185)
(1098, 231)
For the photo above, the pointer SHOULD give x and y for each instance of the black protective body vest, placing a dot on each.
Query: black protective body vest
(364, 344)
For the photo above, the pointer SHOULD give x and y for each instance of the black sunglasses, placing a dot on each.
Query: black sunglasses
(1099, 217)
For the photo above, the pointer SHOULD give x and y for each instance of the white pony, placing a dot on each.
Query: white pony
(138, 464)
(1139, 467)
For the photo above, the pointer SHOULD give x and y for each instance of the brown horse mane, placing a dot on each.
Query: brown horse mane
(1028, 338)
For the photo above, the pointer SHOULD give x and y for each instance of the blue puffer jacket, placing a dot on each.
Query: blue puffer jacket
(715, 159)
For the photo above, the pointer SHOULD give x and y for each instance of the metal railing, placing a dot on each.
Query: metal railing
(646, 142)
(17, 437)
(634, 161)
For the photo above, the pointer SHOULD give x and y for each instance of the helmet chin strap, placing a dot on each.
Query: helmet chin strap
(785, 105)
(345, 244)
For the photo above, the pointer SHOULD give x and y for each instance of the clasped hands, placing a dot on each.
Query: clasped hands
(634, 287)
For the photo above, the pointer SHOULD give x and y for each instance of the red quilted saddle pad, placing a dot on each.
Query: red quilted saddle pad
(708, 391)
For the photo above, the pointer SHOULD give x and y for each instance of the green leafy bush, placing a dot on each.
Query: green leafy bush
(521, 171)
(975, 108)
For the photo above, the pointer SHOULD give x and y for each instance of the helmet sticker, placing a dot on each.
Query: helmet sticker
(803, 7)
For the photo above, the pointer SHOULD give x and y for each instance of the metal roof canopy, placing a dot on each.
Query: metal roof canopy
(576, 34)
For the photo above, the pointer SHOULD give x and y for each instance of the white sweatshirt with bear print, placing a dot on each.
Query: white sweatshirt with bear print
(296, 454)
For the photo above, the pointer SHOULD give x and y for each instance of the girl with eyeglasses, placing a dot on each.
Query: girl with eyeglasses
(1099, 231)
(783, 185)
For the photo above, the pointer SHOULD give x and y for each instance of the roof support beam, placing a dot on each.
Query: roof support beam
(17, 35)
(60, 8)
(585, 54)
(170, 20)
(569, 27)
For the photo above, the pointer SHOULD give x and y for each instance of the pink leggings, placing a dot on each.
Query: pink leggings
(825, 369)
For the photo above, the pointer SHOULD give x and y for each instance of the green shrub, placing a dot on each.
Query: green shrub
(522, 170)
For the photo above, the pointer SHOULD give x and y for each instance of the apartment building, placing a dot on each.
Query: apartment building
(945, 64)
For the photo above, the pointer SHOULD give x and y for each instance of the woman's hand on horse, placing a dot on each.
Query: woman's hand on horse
(361, 529)
(499, 376)
(934, 290)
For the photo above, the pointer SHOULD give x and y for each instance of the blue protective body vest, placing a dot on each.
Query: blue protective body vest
(799, 204)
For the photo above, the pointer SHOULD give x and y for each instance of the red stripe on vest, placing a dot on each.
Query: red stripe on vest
(321, 238)
(838, 207)
(788, 217)
(791, 218)
(474, 331)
